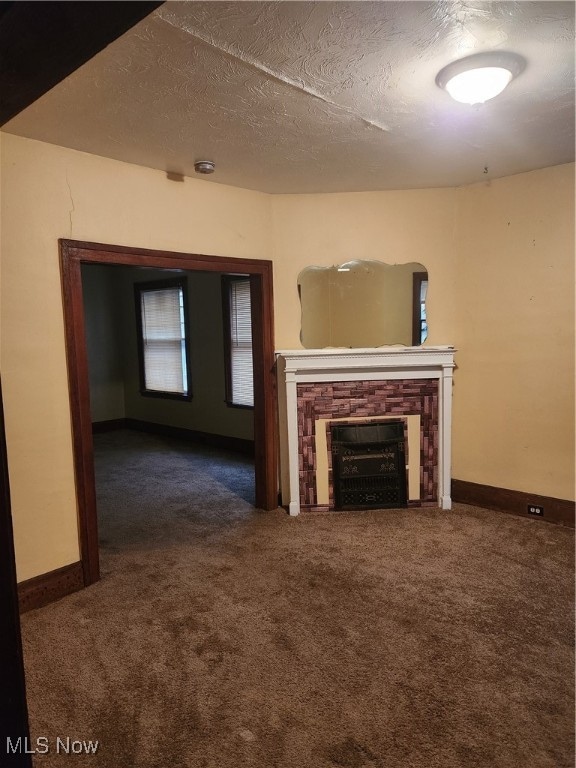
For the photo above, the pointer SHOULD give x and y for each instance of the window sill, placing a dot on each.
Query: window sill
(166, 395)
(237, 405)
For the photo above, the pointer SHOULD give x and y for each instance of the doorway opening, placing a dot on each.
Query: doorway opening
(73, 255)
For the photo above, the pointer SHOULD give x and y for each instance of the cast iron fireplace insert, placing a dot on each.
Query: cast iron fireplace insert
(369, 465)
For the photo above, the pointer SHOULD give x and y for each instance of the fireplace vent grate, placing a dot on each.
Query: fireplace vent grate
(369, 465)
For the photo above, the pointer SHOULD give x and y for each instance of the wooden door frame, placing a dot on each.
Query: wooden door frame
(75, 253)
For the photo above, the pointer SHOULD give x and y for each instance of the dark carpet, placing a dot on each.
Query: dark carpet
(223, 637)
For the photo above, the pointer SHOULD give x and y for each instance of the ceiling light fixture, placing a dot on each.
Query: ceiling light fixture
(204, 166)
(480, 77)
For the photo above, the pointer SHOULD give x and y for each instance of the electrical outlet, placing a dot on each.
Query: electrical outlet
(534, 509)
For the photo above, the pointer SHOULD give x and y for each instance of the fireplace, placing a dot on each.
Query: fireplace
(369, 465)
(325, 388)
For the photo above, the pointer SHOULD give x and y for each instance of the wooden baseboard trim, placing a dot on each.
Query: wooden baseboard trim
(108, 426)
(48, 587)
(559, 511)
(218, 441)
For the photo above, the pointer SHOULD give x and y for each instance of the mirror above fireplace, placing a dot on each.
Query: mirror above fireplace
(363, 304)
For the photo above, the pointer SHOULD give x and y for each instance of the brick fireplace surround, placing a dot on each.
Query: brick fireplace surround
(337, 384)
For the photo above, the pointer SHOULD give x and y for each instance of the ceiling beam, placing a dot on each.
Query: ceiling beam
(41, 43)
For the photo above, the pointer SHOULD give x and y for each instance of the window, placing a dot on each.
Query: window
(238, 341)
(161, 316)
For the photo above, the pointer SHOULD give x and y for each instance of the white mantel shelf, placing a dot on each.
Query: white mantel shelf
(372, 364)
(311, 361)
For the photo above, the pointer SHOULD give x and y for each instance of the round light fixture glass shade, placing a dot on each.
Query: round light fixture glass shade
(478, 85)
(480, 77)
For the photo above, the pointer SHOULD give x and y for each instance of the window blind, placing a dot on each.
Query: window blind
(163, 340)
(242, 379)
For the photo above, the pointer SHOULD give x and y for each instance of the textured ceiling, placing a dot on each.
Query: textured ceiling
(320, 96)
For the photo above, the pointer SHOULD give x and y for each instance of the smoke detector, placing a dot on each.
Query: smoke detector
(204, 166)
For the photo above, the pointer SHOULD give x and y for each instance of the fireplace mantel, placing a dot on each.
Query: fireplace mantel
(373, 364)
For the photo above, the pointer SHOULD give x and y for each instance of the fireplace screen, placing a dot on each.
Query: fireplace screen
(369, 465)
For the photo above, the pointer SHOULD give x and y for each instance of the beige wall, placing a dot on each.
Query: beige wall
(514, 392)
(50, 192)
(493, 292)
(502, 293)
(395, 227)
